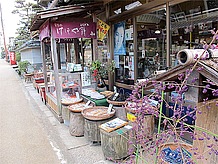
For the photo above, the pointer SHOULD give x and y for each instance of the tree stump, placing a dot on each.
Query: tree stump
(120, 112)
(115, 144)
(92, 131)
(66, 115)
(76, 127)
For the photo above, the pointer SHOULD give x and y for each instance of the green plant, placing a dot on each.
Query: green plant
(100, 70)
(18, 56)
(22, 66)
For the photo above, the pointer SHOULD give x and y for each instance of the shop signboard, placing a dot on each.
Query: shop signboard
(12, 58)
(77, 29)
(44, 31)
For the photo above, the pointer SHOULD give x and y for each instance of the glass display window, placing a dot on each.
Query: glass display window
(70, 85)
(124, 52)
(191, 25)
(151, 43)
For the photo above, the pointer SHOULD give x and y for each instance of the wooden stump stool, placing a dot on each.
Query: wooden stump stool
(66, 114)
(92, 131)
(76, 127)
(94, 117)
(115, 144)
(120, 112)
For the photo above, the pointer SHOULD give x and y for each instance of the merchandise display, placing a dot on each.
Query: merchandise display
(79, 107)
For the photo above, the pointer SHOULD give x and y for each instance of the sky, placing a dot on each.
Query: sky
(10, 20)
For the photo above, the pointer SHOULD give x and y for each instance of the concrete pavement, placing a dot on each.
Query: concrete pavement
(29, 132)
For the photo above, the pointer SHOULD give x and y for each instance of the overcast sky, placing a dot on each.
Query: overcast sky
(10, 20)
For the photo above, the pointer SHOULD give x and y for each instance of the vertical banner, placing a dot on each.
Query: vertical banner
(12, 58)
(119, 39)
(102, 29)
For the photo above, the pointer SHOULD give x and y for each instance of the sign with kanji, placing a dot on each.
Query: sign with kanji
(12, 58)
(102, 29)
(78, 29)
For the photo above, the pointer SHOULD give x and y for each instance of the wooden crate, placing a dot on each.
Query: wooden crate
(51, 102)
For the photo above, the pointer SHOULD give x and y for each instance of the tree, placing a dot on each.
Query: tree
(26, 11)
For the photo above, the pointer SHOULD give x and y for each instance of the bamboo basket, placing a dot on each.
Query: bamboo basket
(97, 113)
(171, 153)
(71, 103)
(77, 108)
(117, 103)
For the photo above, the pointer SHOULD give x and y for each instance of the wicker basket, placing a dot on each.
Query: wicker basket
(71, 103)
(118, 103)
(133, 110)
(166, 157)
(97, 113)
(77, 108)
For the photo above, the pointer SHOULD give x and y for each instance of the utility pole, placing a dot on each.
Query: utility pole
(3, 33)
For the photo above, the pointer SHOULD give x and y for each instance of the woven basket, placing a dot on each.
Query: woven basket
(174, 147)
(97, 113)
(118, 103)
(128, 109)
(71, 103)
(133, 110)
(77, 108)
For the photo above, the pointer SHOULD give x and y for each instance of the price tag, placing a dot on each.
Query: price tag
(131, 117)
(115, 89)
(109, 108)
(115, 96)
(77, 95)
(87, 104)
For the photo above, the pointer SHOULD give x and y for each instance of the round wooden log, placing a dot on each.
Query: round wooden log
(115, 144)
(76, 127)
(66, 115)
(147, 126)
(92, 131)
(120, 112)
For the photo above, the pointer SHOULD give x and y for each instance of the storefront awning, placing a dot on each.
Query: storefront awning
(64, 12)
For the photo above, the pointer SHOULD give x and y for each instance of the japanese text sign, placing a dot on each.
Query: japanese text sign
(12, 58)
(44, 31)
(73, 29)
(102, 29)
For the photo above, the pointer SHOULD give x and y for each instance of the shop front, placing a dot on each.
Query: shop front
(147, 35)
(64, 41)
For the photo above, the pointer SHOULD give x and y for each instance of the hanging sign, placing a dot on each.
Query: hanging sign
(78, 29)
(12, 58)
(102, 29)
(44, 31)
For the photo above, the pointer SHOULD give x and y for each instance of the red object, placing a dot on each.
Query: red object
(12, 58)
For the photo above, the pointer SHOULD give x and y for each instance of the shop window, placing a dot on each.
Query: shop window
(123, 52)
(191, 24)
(151, 43)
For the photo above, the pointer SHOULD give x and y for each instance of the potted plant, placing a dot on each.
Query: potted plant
(100, 71)
(22, 67)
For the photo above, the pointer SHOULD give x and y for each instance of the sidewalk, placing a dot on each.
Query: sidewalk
(70, 149)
